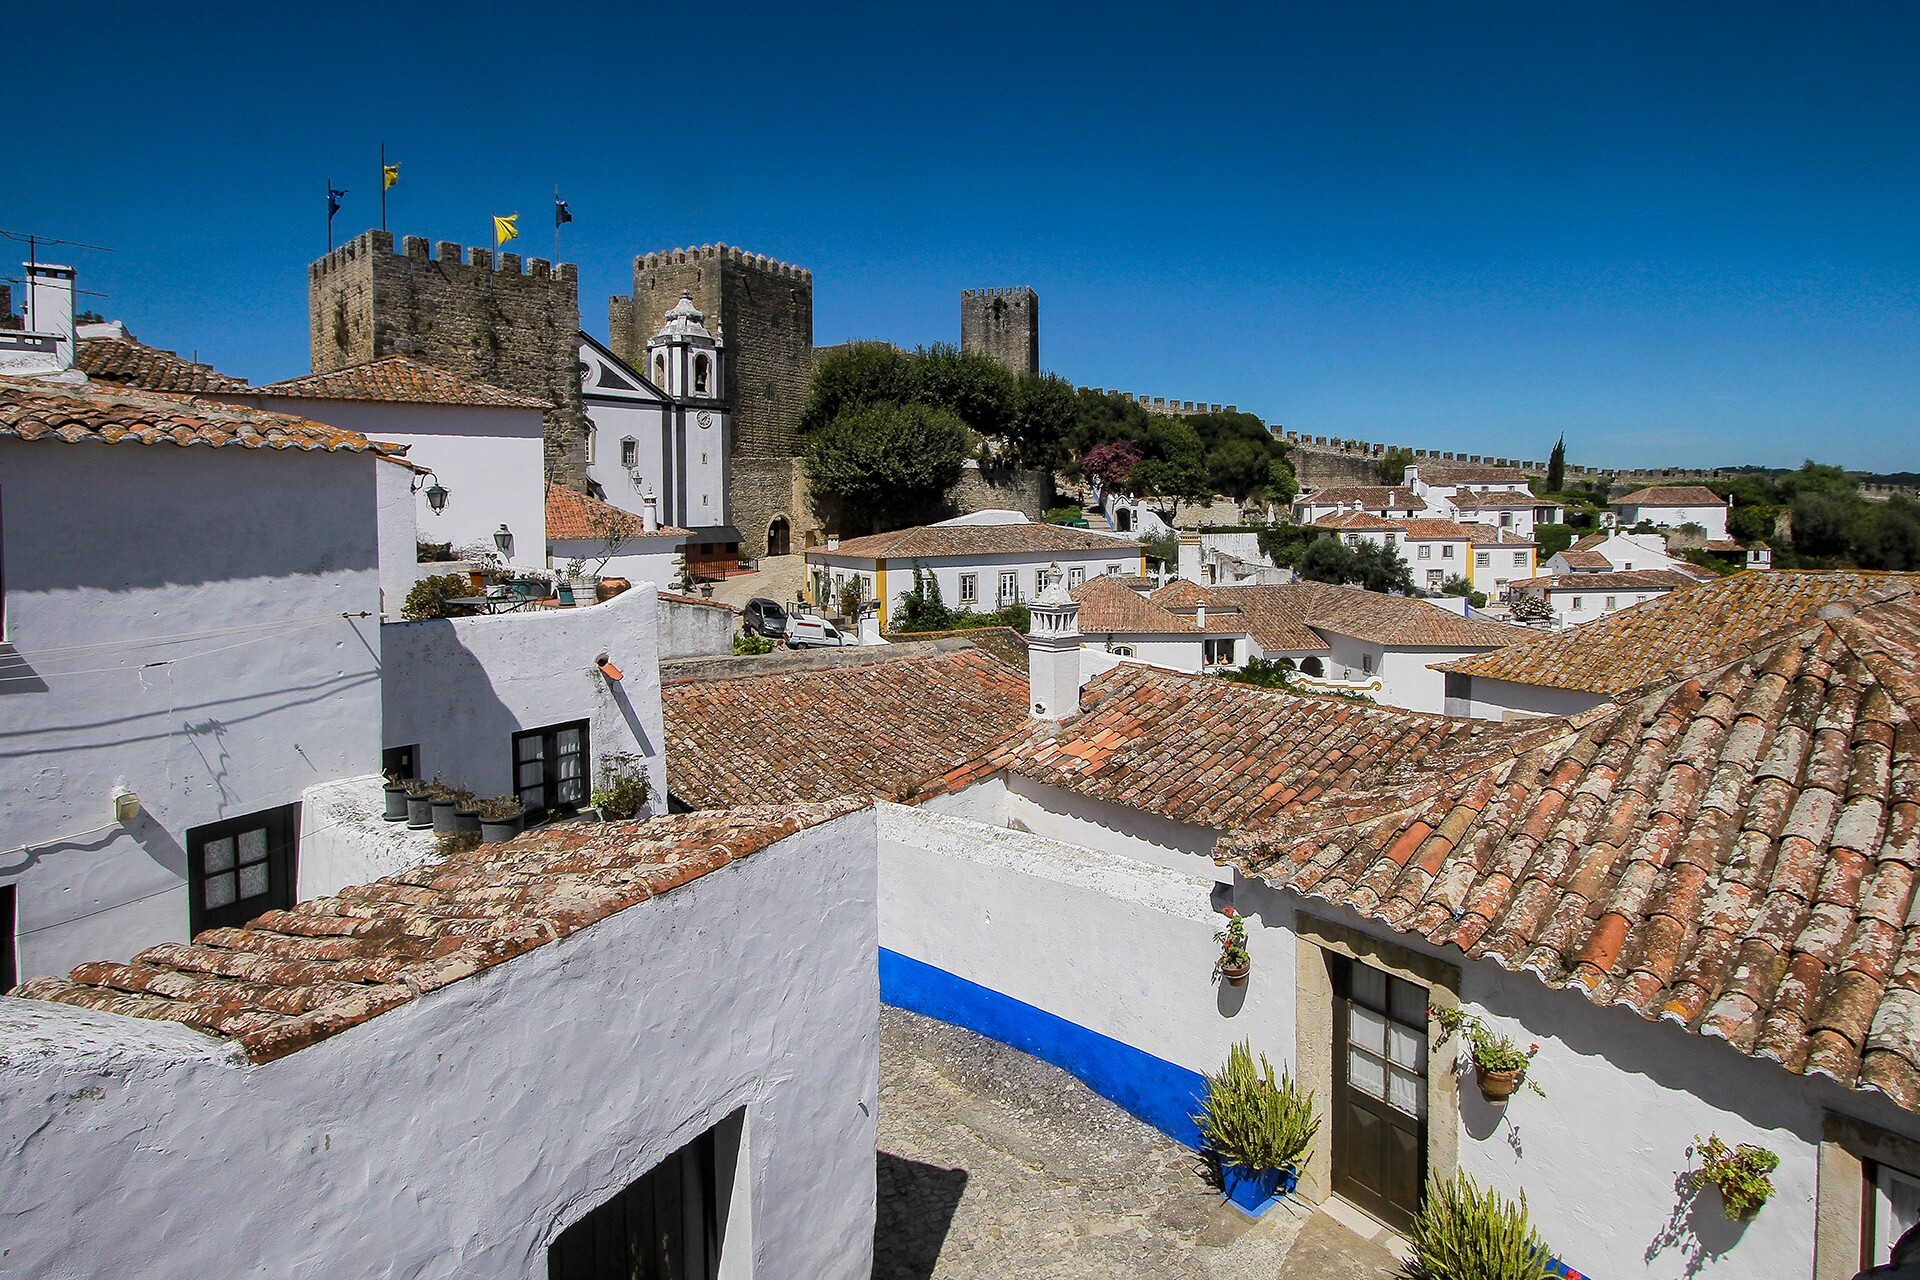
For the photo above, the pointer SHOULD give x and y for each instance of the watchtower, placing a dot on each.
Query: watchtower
(471, 312)
(1003, 324)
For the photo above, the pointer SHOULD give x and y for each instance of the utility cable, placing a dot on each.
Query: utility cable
(183, 636)
(165, 662)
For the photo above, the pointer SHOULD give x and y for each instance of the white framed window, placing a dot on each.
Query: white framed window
(1483, 559)
(1609, 602)
(1896, 1207)
(1426, 552)
(1217, 652)
(629, 453)
(1120, 650)
(1039, 581)
(1446, 551)
(1353, 539)
(969, 588)
(1519, 559)
(1506, 519)
(1435, 577)
(1009, 588)
(1113, 570)
(1076, 576)
(1576, 604)
(588, 437)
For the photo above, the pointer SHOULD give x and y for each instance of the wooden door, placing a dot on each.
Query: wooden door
(1380, 1091)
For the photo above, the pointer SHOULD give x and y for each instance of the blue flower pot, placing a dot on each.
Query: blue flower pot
(1255, 1190)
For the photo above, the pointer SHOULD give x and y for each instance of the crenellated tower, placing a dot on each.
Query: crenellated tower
(1003, 324)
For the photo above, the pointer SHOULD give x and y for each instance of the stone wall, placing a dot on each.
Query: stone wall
(1021, 489)
(497, 321)
(1003, 324)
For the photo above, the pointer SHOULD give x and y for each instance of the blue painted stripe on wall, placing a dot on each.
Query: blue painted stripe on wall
(1159, 1092)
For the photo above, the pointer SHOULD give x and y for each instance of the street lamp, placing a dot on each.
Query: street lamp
(503, 539)
(437, 496)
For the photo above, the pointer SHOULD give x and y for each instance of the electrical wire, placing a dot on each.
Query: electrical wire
(69, 838)
(181, 637)
(166, 662)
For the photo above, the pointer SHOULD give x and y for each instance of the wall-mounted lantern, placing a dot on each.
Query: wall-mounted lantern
(503, 539)
(437, 496)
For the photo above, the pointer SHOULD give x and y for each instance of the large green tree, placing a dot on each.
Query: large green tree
(887, 463)
(1045, 412)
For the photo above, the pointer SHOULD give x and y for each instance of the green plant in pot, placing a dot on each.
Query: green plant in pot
(396, 797)
(501, 818)
(1235, 963)
(1465, 1233)
(1258, 1127)
(624, 788)
(419, 804)
(1739, 1172)
(466, 811)
(1499, 1063)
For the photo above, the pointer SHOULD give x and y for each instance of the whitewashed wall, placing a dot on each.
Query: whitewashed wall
(1180, 652)
(398, 536)
(107, 544)
(947, 570)
(462, 687)
(694, 630)
(459, 1134)
(1713, 519)
(680, 462)
(1503, 699)
(1407, 678)
(1067, 816)
(655, 560)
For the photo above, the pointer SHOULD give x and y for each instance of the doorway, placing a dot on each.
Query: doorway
(779, 537)
(1380, 1091)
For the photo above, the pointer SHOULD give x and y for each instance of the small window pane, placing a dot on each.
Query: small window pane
(1368, 1031)
(1369, 986)
(1367, 1074)
(253, 880)
(531, 773)
(1406, 1047)
(220, 890)
(217, 855)
(570, 791)
(528, 748)
(1406, 1092)
(253, 845)
(568, 740)
(1409, 1003)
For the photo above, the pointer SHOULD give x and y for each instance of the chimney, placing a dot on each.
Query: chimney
(650, 513)
(1053, 652)
(50, 306)
(833, 542)
(1200, 615)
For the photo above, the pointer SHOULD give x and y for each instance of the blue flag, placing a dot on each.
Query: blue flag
(561, 214)
(333, 200)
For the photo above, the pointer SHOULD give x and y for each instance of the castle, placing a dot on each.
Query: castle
(1003, 324)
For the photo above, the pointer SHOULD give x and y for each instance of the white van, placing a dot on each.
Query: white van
(812, 633)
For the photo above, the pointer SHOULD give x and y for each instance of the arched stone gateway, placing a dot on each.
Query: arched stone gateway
(779, 537)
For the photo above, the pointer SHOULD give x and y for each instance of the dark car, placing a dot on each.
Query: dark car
(762, 617)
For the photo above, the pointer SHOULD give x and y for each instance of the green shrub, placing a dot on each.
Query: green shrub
(428, 598)
(1464, 1233)
(746, 646)
(1740, 1173)
(624, 788)
(1251, 1119)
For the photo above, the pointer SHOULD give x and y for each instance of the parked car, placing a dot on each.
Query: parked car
(814, 633)
(764, 617)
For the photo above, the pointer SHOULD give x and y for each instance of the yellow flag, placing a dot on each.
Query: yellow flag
(505, 229)
(389, 175)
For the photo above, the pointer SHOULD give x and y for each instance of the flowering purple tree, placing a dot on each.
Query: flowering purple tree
(1110, 465)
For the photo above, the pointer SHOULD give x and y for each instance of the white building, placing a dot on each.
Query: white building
(983, 563)
(1570, 599)
(609, 541)
(1389, 502)
(644, 1048)
(668, 435)
(192, 603)
(1128, 618)
(1614, 552)
(1669, 506)
(1489, 558)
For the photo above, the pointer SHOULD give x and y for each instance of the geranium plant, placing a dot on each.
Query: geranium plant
(1233, 944)
(1491, 1052)
(1740, 1172)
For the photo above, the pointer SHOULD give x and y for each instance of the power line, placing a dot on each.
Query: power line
(164, 662)
(34, 238)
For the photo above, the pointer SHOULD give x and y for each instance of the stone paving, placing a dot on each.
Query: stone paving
(996, 1165)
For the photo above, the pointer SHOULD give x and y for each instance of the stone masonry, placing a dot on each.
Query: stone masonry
(463, 311)
(1003, 324)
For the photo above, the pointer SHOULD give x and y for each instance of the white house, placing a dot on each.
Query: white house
(1488, 557)
(1128, 618)
(192, 601)
(1570, 599)
(635, 1048)
(1389, 502)
(609, 541)
(1669, 506)
(980, 567)
(1611, 552)
(480, 447)
(668, 435)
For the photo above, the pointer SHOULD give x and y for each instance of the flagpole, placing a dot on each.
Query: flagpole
(383, 184)
(329, 215)
(556, 226)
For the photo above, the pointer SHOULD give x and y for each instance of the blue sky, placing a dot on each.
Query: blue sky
(1678, 233)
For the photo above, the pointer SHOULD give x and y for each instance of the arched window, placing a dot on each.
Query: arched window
(588, 436)
(702, 367)
(1313, 667)
(660, 370)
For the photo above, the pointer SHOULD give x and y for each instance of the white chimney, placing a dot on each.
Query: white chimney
(1200, 615)
(833, 542)
(50, 305)
(1053, 652)
(650, 514)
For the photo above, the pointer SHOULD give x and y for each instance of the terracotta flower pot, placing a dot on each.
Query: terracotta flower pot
(1236, 976)
(1496, 1086)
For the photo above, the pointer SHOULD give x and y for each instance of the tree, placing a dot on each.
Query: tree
(1552, 539)
(1045, 408)
(887, 462)
(1110, 465)
(1825, 523)
(1328, 560)
(860, 373)
(1393, 465)
(1237, 468)
(1557, 465)
(978, 389)
(1165, 484)
(1369, 565)
(1282, 484)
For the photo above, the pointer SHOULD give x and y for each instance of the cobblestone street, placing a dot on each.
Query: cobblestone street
(996, 1165)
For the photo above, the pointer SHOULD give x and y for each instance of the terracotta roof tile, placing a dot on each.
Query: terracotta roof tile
(399, 379)
(1625, 650)
(1107, 605)
(877, 729)
(1287, 618)
(32, 409)
(291, 978)
(1357, 520)
(1736, 850)
(1671, 495)
(1370, 497)
(982, 539)
(127, 363)
(1466, 473)
(1612, 580)
(1494, 500)
(1577, 557)
(575, 515)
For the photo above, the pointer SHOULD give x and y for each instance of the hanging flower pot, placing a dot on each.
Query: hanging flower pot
(1496, 1086)
(1235, 963)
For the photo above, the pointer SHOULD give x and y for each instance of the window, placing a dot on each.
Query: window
(1426, 552)
(1435, 577)
(669, 1224)
(1576, 604)
(1353, 539)
(1629, 566)
(1113, 570)
(1039, 581)
(1483, 559)
(550, 769)
(587, 436)
(9, 966)
(1076, 576)
(629, 453)
(1506, 519)
(1391, 541)
(1366, 664)
(1217, 652)
(240, 867)
(660, 370)
(401, 762)
(1009, 588)
(1312, 666)
(1896, 1208)
(702, 368)
(1446, 551)
(969, 588)
(1120, 650)
(1519, 559)
(1609, 603)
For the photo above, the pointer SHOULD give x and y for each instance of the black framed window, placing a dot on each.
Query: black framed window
(400, 762)
(9, 968)
(240, 867)
(667, 1226)
(550, 769)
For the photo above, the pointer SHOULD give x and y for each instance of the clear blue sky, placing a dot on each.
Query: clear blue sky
(1683, 233)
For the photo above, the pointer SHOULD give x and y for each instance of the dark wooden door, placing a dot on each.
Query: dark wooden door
(1380, 1091)
(240, 867)
(667, 1226)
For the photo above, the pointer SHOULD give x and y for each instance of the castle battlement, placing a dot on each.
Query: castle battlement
(721, 252)
(1019, 293)
(1160, 404)
(449, 254)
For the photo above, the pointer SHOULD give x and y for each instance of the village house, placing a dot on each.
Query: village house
(1670, 506)
(634, 1048)
(1389, 502)
(1488, 558)
(982, 563)
(608, 541)
(1611, 551)
(1569, 599)
(1169, 626)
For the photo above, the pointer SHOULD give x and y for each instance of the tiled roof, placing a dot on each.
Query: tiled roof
(1736, 853)
(399, 380)
(126, 363)
(31, 409)
(1485, 535)
(1671, 495)
(1679, 630)
(1371, 497)
(1501, 499)
(1211, 752)
(879, 728)
(1182, 599)
(1276, 616)
(982, 539)
(1399, 621)
(1440, 530)
(702, 601)
(575, 515)
(1357, 520)
(1585, 560)
(292, 978)
(1589, 542)
(1613, 580)
(1465, 473)
(1108, 605)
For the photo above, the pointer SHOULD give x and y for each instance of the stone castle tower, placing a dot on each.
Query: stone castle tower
(463, 311)
(1003, 324)
(762, 312)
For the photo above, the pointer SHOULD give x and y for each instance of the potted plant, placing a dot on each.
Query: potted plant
(396, 794)
(1740, 1173)
(1234, 963)
(466, 811)
(501, 818)
(624, 788)
(419, 804)
(1260, 1129)
(445, 798)
(1499, 1063)
(1462, 1230)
